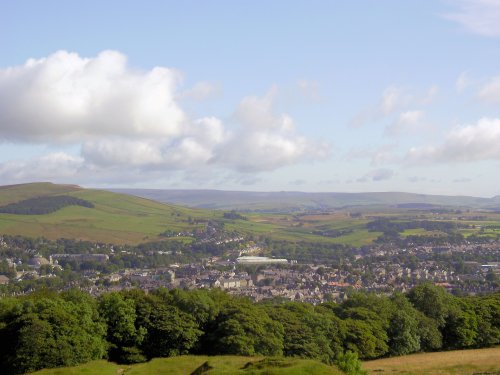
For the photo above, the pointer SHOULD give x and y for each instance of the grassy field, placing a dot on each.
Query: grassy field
(119, 218)
(219, 365)
(15, 193)
(459, 362)
(116, 218)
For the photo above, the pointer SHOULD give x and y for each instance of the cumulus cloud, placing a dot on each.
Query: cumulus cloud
(128, 120)
(265, 140)
(57, 166)
(480, 17)
(195, 149)
(66, 98)
(463, 144)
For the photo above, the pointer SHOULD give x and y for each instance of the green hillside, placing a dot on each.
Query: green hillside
(16, 193)
(127, 219)
(223, 365)
(115, 218)
(112, 217)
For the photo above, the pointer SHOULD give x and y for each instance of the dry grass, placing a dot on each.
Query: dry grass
(459, 362)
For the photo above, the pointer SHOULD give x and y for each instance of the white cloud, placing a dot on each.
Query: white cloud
(129, 123)
(478, 16)
(463, 144)
(195, 149)
(265, 140)
(490, 92)
(56, 166)
(67, 98)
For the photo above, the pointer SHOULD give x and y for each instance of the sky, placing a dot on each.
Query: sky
(330, 96)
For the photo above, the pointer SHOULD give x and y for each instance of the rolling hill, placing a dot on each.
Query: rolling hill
(69, 211)
(297, 201)
(114, 218)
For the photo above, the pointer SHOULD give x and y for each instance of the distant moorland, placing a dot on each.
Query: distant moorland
(289, 201)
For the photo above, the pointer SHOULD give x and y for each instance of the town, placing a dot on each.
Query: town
(246, 268)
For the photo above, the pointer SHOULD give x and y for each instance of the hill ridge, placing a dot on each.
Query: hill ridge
(296, 200)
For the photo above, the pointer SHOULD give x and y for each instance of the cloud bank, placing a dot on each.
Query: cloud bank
(122, 117)
(464, 144)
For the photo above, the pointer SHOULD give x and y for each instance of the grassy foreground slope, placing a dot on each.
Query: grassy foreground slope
(116, 218)
(205, 365)
(459, 362)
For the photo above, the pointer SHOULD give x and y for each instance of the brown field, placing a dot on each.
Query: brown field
(458, 362)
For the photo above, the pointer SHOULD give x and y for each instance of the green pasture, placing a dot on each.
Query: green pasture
(116, 218)
(16, 193)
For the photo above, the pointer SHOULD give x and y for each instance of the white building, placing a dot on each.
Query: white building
(260, 260)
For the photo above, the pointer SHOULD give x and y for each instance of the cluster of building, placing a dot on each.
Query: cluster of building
(379, 268)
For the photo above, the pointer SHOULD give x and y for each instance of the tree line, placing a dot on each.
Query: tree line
(43, 205)
(49, 329)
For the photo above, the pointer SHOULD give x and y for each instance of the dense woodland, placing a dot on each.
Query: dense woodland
(43, 205)
(46, 329)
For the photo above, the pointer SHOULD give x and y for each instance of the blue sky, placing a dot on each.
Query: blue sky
(382, 95)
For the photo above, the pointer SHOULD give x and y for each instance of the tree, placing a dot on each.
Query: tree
(430, 335)
(306, 332)
(487, 310)
(350, 363)
(433, 301)
(461, 328)
(122, 334)
(403, 331)
(364, 339)
(242, 328)
(169, 332)
(49, 331)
